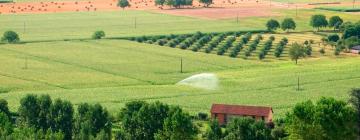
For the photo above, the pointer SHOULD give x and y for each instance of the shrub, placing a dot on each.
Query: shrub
(161, 42)
(308, 50)
(322, 51)
(337, 51)
(272, 38)
(312, 41)
(261, 55)
(272, 24)
(10, 37)
(202, 116)
(333, 37)
(98, 35)
(172, 44)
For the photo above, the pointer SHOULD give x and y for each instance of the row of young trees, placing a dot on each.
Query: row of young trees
(252, 47)
(266, 47)
(39, 117)
(280, 47)
(238, 46)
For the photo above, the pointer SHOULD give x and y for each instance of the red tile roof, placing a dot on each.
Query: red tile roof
(241, 110)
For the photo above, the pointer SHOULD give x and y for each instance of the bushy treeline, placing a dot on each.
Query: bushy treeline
(174, 3)
(326, 119)
(39, 117)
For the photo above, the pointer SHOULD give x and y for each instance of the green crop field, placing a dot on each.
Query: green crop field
(59, 26)
(58, 58)
(114, 72)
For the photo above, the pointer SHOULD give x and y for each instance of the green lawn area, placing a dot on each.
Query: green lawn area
(113, 72)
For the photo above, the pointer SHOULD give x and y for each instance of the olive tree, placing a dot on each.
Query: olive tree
(296, 52)
(123, 4)
(206, 3)
(10, 37)
(272, 25)
(98, 35)
(288, 24)
(335, 22)
(318, 21)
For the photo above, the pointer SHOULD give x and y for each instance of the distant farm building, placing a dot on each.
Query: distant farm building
(355, 49)
(225, 113)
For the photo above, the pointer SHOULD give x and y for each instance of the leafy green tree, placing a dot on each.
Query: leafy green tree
(6, 126)
(318, 21)
(142, 120)
(178, 126)
(335, 22)
(44, 120)
(272, 25)
(322, 51)
(355, 102)
(308, 50)
(160, 2)
(4, 107)
(123, 4)
(288, 24)
(10, 37)
(246, 128)
(278, 132)
(296, 52)
(337, 50)
(206, 3)
(351, 42)
(29, 111)
(178, 3)
(351, 30)
(333, 37)
(214, 131)
(93, 119)
(130, 123)
(62, 118)
(98, 35)
(327, 119)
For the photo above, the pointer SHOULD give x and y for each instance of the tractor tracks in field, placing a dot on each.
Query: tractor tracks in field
(42, 58)
(32, 80)
(234, 92)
